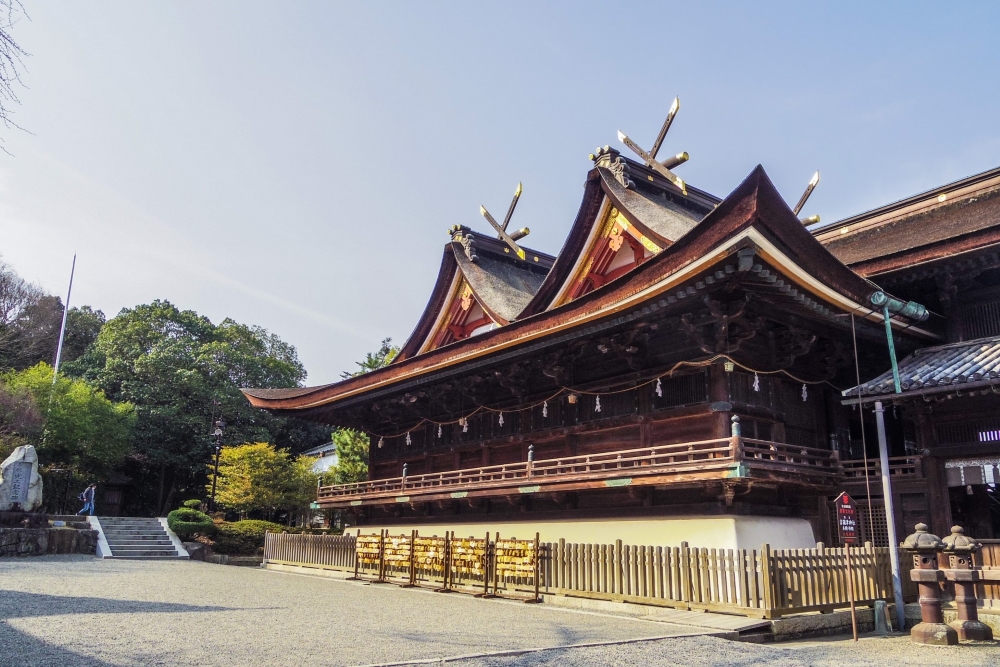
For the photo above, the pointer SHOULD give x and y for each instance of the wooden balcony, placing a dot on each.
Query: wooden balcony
(685, 463)
(901, 468)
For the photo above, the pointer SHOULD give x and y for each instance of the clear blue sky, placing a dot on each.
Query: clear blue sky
(297, 165)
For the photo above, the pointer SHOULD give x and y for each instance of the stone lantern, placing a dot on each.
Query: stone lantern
(925, 548)
(960, 549)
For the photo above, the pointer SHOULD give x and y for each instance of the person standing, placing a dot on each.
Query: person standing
(88, 500)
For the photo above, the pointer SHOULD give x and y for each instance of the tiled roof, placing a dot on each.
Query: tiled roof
(945, 366)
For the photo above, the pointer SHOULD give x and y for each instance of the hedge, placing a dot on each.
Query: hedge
(245, 538)
(187, 522)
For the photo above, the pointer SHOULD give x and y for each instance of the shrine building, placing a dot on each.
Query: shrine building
(686, 368)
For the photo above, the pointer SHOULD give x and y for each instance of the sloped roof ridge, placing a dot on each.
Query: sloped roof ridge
(957, 344)
(926, 195)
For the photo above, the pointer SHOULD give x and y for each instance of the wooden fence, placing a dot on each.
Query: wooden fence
(989, 557)
(332, 552)
(765, 583)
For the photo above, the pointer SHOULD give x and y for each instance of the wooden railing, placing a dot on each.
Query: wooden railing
(789, 458)
(704, 455)
(899, 466)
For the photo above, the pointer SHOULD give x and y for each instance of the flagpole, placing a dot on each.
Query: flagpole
(62, 329)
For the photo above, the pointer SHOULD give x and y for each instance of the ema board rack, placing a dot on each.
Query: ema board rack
(451, 563)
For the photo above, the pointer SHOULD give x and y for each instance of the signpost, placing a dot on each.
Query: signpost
(847, 528)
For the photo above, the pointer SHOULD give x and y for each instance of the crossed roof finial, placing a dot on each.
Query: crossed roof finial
(664, 167)
(813, 219)
(512, 238)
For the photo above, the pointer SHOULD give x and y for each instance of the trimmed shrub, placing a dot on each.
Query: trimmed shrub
(187, 522)
(245, 538)
(193, 504)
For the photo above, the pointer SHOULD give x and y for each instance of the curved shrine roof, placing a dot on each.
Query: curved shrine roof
(753, 218)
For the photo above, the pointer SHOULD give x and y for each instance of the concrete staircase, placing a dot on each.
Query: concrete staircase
(129, 537)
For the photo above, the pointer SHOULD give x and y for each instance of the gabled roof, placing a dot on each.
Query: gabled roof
(956, 217)
(655, 207)
(754, 217)
(942, 368)
(500, 282)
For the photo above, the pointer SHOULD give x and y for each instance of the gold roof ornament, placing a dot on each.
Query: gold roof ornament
(512, 238)
(813, 219)
(664, 167)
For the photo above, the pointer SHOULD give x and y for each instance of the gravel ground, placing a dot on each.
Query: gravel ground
(713, 652)
(76, 611)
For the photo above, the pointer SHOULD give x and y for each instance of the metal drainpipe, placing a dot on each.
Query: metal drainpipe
(916, 312)
(890, 516)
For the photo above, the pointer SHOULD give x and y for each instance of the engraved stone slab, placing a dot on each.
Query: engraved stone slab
(20, 483)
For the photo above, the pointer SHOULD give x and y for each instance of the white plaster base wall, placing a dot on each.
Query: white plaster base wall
(711, 532)
(176, 541)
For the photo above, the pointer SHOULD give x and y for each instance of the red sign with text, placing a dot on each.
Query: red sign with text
(847, 519)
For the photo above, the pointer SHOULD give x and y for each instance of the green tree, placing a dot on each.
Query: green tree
(82, 326)
(375, 360)
(352, 446)
(352, 456)
(180, 370)
(20, 420)
(30, 320)
(256, 477)
(85, 436)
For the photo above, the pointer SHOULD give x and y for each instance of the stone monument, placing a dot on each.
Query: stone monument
(20, 483)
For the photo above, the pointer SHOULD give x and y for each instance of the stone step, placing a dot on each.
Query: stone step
(114, 544)
(136, 531)
(144, 539)
(163, 551)
(131, 522)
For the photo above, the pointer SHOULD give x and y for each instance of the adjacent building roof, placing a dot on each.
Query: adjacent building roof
(941, 222)
(941, 368)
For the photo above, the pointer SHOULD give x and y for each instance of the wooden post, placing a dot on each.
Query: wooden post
(559, 565)
(412, 580)
(685, 573)
(447, 560)
(486, 565)
(496, 570)
(381, 554)
(619, 566)
(357, 560)
(538, 571)
(850, 593)
(768, 583)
